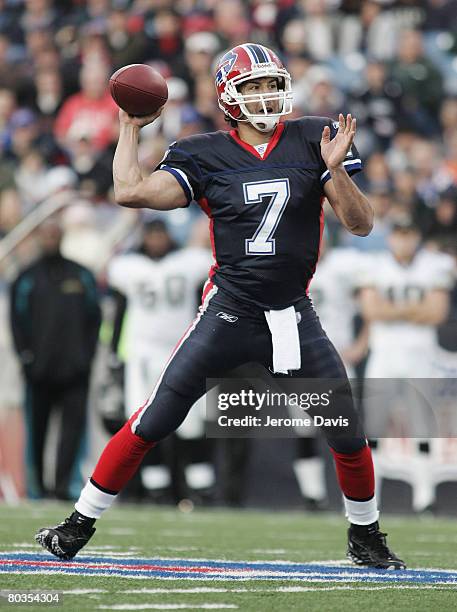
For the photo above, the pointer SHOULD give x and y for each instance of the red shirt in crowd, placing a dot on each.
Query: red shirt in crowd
(81, 116)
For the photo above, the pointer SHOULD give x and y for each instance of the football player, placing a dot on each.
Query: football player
(405, 296)
(262, 185)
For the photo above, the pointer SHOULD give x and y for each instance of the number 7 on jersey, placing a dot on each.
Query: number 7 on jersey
(263, 243)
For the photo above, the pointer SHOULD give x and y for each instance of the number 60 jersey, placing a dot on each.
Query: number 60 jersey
(266, 211)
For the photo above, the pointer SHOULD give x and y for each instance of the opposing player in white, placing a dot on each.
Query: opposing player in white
(161, 284)
(405, 296)
(333, 292)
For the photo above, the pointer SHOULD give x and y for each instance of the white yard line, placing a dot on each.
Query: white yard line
(268, 551)
(178, 534)
(178, 548)
(203, 606)
(284, 589)
(83, 591)
(243, 579)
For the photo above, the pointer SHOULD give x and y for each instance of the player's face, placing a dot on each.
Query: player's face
(50, 237)
(263, 85)
(156, 243)
(404, 243)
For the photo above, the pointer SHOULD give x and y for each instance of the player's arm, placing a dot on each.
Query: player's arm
(350, 205)
(358, 350)
(375, 307)
(160, 190)
(432, 310)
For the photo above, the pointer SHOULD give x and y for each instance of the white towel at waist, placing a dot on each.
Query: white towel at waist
(285, 338)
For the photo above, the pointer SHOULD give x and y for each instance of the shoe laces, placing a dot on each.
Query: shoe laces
(71, 527)
(379, 542)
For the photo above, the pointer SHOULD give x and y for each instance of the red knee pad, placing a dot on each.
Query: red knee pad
(355, 473)
(120, 460)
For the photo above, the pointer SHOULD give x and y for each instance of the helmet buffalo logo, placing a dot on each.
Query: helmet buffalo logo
(226, 66)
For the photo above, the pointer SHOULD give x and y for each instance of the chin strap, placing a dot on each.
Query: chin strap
(264, 124)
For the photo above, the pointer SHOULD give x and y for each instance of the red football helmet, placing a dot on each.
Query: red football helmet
(241, 64)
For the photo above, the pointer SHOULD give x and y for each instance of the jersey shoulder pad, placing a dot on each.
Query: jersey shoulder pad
(311, 127)
(435, 258)
(345, 258)
(198, 143)
(371, 266)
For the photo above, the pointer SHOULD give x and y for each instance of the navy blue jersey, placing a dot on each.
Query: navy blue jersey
(266, 213)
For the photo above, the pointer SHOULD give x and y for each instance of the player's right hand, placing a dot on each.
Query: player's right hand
(127, 119)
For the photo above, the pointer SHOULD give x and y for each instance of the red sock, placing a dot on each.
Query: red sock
(120, 460)
(355, 473)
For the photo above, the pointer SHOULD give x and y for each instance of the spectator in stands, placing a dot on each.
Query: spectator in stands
(425, 159)
(24, 134)
(127, 46)
(11, 69)
(448, 117)
(324, 98)
(293, 40)
(376, 104)
(200, 49)
(442, 225)
(319, 29)
(31, 179)
(7, 108)
(231, 22)
(441, 16)
(56, 356)
(377, 176)
(371, 31)
(408, 198)
(91, 111)
(449, 167)
(420, 82)
(163, 27)
(38, 14)
(49, 92)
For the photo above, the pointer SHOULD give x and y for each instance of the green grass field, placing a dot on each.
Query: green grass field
(151, 533)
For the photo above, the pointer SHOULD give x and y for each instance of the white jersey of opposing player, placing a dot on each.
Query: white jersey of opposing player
(161, 304)
(412, 343)
(400, 349)
(161, 294)
(332, 293)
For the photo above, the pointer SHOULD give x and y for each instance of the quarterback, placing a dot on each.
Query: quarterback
(262, 185)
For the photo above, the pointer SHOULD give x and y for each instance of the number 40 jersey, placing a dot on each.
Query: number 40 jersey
(265, 210)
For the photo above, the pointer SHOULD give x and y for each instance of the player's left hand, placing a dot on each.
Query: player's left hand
(334, 151)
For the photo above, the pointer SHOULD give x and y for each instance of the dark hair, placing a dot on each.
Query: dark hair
(232, 122)
(155, 225)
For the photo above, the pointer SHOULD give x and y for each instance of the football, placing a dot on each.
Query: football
(138, 89)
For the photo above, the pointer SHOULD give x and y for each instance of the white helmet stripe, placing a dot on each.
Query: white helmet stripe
(250, 54)
(267, 52)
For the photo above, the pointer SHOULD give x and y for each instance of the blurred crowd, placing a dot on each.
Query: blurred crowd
(392, 63)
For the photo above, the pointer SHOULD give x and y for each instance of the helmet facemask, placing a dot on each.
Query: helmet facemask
(265, 121)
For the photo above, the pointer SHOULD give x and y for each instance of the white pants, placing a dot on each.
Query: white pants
(407, 420)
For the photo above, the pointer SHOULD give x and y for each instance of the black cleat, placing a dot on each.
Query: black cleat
(66, 539)
(367, 547)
